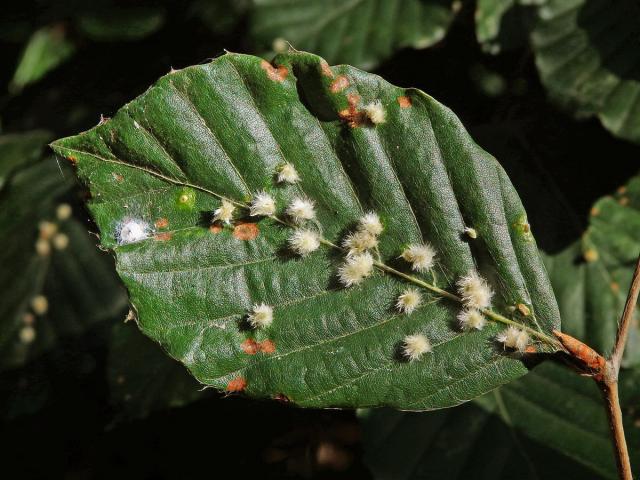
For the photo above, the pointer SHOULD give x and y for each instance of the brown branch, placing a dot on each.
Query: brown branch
(612, 403)
(625, 321)
(608, 382)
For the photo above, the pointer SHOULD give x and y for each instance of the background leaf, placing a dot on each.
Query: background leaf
(593, 72)
(357, 32)
(47, 48)
(192, 286)
(142, 378)
(121, 24)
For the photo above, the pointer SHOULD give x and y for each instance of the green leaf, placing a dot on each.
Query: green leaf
(358, 32)
(121, 24)
(587, 56)
(221, 130)
(20, 149)
(142, 378)
(55, 283)
(46, 49)
(561, 413)
(503, 25)
(591, 277)
(220, 17)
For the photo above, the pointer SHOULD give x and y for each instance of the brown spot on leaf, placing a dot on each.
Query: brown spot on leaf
(215, 228)
(404, 102)
(163, 237)
(72, 159)
(531, 349)
(117, 177)
(267, 346)
(622, 190)
(351, 115)
(623, 201)
(595, 211)
(246, 231)
(339, 84)
(326, 69)
(277, 74)
(250, 346)
(615, 288)
(238, 384)
(523, 309)
(162, 223)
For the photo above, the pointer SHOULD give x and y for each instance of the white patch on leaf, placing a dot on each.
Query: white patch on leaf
(514, 338)
(409, 300)
(415, 346)
(224, 213)
(359, 242)
(371, 223)
(375, 112)
(261, 316)
(301, 209)
(262, 204)
(422, 257)
(131, 230)
(471, 319)
(355, 269)
(287, 173)
(304, 241)
(475, 291)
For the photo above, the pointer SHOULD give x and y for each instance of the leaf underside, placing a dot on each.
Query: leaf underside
(221, 130)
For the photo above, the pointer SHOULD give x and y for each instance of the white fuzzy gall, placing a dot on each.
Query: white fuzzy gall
(409, 300)
(355, 269)
(514, 338)
(415, 346)
(471, 319)
(224, 213)
(475, 291)
(131, 231)
(261, 316)
(422, 257)
(304, 241)
(359, 242)
(301, 209)
(370, 223)
(262, 204)
(375, 112)
(287, 173)
(471, 232)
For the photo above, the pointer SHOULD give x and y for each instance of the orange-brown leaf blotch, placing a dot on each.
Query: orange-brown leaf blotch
(277, 74)
(246, 231)
(250, 346)
(340, 83)
(238, 384)
(404, 102)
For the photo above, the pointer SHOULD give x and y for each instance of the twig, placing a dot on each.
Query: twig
(612, 404)
(625, 321)
(608, 382)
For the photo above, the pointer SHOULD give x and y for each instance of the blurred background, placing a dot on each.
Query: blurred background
(551, 88)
